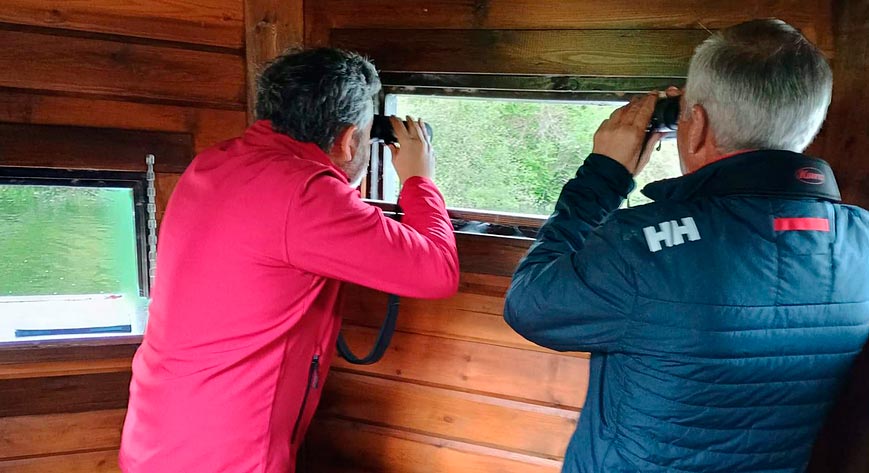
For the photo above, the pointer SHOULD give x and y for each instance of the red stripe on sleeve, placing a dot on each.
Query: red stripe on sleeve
(791, 224)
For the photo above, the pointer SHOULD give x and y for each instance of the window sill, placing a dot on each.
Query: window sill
(69, 350)
(476, 222)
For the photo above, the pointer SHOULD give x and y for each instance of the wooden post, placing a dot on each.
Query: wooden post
(271, 26)
(846, 140)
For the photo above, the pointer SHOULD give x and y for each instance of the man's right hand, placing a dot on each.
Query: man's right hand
(414, 155)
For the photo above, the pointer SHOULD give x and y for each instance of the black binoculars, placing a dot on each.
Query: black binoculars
(665, 119)
(382, 130)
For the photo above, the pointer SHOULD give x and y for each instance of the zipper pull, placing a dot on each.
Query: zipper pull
(315, 372)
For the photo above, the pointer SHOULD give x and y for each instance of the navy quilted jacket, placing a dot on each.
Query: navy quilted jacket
(721, 319)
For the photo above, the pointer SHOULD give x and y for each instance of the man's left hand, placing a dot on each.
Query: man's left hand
(622, 136)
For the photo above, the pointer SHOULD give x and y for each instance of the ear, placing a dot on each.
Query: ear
(344, 147)
(699, 131)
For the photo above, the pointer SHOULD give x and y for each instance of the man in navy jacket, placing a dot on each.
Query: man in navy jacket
(723, 317)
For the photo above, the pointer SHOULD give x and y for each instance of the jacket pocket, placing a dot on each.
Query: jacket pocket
(313, 382)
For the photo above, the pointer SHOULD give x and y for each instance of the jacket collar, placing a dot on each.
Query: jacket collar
(756, 173)
(261, 134)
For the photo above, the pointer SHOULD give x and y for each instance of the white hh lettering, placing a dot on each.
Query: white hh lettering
(671, 233)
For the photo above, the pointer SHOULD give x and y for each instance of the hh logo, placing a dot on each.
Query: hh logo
(671, 233)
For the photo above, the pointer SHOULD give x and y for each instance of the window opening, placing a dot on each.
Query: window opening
(73, 254)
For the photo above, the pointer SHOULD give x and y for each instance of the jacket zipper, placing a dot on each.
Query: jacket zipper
(313, 383)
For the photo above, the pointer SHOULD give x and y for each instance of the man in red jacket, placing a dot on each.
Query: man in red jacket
(258, 236)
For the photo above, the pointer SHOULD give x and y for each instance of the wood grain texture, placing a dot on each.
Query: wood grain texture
(60, 394)
(207, 125)
(120, 70)
(271, 27)
(164, 185)
(813, 17)
(484, 284)
(318, 23)
(83, 351)
(92, 148)
(465, 316)
(63, 368)
(471, 418)
(663, 53)
(92, 462)
(486, 254)
(847, 136)
(542, 378)
(213, 22)
(52, 434)
(340, 444)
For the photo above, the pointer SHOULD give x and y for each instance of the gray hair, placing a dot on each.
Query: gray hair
(763, 85)
(312, 96)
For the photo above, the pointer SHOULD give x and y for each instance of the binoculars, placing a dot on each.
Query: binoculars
(665, 119)
(382, 130)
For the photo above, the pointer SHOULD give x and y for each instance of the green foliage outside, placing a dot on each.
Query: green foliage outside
(514, 156)
(67, 240)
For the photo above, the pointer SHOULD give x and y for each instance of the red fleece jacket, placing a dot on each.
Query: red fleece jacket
(257, 238)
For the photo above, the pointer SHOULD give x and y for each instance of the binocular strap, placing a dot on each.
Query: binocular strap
(383, 338)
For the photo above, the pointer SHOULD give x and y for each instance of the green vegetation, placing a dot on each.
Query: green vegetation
(66, 240)
(514, 156)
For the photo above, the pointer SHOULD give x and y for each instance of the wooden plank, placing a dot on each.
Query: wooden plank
(813, 17)
(484, 284)
(36, 396)
(164, 185)
(207, 125)
(497, 423)
(64, 368)
(663, 53)
(82, 350)
(271, 26)
(541, 378)
(336, 443)
(116, 69)
(847, 136)
(318, 24)
(487, 254)
(465, 316)
(554, 85)
(93, 462)
(92, 148)
(60, 433)
(216, 22)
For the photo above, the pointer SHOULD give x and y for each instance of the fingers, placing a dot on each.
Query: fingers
(413, 130)
(393, 150)
(645, 110)
(616, 116)
(398, 127)
(673, 91)
(424, 132)
(631, 110)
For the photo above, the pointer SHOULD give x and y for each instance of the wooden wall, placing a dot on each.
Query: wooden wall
(161, 71)
(845, 141)
(458, 390)
(152, 65)
(62, 409)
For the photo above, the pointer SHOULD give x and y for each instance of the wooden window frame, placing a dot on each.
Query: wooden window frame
(67, 349)
(522, 87)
